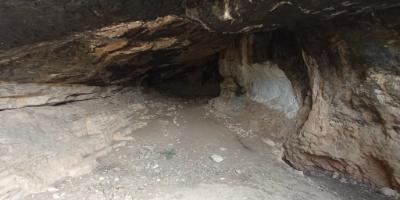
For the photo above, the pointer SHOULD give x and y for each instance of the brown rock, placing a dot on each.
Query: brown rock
(352, 125)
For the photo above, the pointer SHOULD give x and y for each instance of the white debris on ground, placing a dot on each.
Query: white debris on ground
(217, 158)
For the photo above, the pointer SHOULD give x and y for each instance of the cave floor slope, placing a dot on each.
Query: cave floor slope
(181, 150)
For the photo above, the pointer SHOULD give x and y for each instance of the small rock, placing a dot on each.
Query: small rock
(335, 175)
(128, 197)
(298, 172)
(52, 189)
(268, 142)
(56, 196)
(343, 180)
(117, 169)
(155, 166)
(389, 192)
(148, 147)
(216, 158)
(121, 137)
(354, 182)
(321, 188)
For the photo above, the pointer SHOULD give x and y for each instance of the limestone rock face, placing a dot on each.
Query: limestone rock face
(42, 142)
(99, 42)
(15, 96)
(353, 125)
(253, 15)
(262, 82)
(25, 22)
(102, 55)
(345, 77)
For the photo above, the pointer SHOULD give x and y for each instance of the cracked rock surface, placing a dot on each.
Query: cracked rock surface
(43, 143)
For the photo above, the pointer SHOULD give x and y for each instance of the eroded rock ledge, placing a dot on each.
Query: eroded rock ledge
(100, 56)
(25, 22)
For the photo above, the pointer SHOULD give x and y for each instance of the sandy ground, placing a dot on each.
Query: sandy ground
(170, 159)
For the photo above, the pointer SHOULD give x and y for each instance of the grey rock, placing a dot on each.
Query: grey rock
(13, 95)
(217, 158)
(389, 192)
(42, 144)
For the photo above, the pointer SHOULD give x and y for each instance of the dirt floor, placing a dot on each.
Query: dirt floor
(186, 151)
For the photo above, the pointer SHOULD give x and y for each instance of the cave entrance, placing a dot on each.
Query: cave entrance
(184, 81)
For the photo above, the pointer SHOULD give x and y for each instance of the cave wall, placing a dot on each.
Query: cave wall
(260, 81)
(353, 125)
(345, 82)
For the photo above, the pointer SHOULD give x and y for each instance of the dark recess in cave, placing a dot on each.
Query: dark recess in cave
(191, 80)
(184, 81)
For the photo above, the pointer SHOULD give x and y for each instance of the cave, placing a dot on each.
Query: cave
(184, 81)
(198, 99)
